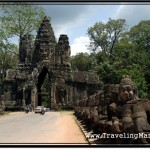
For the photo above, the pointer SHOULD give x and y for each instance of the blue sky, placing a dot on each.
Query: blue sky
(74, 20)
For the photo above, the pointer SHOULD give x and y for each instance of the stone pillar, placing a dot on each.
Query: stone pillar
(39, 96)
(85, 95)
(23, 100)
(71, 94)
(8, 94)
(67, 97)
(34, 97)
(75, 94)
(50, 95)
(53, 96)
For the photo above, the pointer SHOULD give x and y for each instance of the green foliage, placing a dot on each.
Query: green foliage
(80, 62)
(129, 51)
(137, 75)
(20, 18)
(104, 36)
(8, 54)
(140, 35)
(17, 19)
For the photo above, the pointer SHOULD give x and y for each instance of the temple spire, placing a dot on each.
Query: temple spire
(45, 42)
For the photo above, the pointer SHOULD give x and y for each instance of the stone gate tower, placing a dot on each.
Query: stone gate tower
(46, 57)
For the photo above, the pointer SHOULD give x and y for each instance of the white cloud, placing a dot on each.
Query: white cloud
(70, 27)
(66, 18)
(80, 45)
(65, 28)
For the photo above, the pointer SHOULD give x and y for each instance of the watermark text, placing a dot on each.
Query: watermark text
(115, 135)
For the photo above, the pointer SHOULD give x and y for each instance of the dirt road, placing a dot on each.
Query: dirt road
(51, 128)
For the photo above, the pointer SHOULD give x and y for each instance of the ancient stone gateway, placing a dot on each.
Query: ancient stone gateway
(46, 58)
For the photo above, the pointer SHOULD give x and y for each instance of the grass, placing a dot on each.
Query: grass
(7, 112)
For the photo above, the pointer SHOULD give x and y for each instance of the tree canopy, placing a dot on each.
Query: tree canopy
(120, 52)
(105, 35)
(17, 19)
(20, 18)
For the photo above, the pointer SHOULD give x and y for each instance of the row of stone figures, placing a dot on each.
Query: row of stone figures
(117, 110)
(2, 107)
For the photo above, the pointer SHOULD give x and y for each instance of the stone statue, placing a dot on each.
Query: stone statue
(134, 110)
(63, 51)
(66, 57)
(2, 107)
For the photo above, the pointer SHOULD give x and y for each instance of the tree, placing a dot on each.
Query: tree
(8, 54)
(104, 36)
(20, 18)
(139, 34)
(17, 19)
(129, 53)
(80, 62)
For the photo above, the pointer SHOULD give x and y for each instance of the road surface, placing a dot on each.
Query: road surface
(33, 128)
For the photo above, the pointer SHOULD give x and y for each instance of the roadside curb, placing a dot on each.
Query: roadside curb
(81, 126)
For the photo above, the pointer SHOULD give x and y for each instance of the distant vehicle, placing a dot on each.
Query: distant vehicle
(39, 109)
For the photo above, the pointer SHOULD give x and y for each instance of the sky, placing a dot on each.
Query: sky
(75, 19)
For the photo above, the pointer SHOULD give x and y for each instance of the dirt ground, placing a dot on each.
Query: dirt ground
(69, 130)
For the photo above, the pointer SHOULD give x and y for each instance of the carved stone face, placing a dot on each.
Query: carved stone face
(126, 93)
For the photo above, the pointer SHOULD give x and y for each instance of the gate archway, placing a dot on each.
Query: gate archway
(41, 78)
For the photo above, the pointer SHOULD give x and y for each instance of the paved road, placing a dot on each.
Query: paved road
(51, 128)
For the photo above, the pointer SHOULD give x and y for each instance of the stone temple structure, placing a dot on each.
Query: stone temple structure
(46, 57)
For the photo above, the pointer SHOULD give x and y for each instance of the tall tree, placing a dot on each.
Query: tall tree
(140, 35)
(122, 53)
(8, 55)
(20, 18)
(17, 19)
(104, 36)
